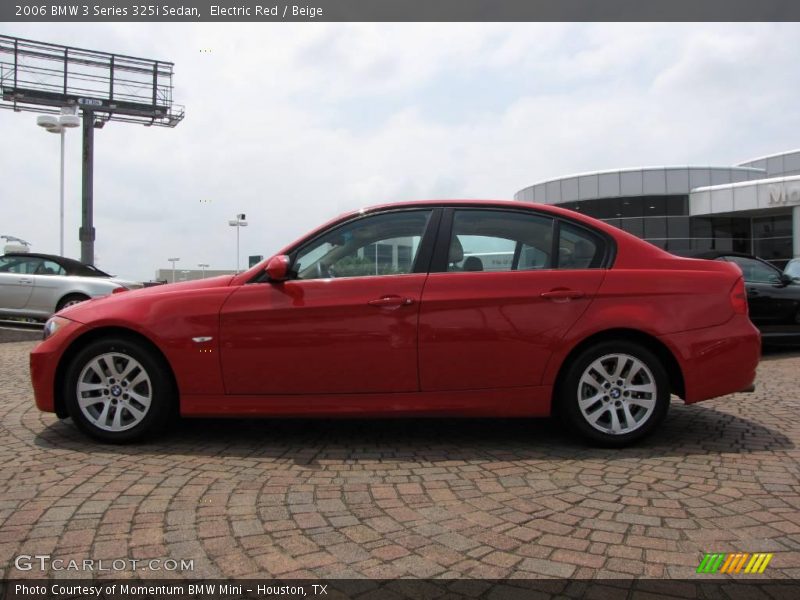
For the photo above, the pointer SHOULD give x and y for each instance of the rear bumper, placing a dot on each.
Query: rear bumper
(719, 360)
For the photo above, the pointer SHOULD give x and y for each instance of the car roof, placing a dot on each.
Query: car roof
(477, 203)
(69, 263)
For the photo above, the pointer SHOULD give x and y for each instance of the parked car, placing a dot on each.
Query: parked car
(773, 296)
(38, 285)
(390, 311)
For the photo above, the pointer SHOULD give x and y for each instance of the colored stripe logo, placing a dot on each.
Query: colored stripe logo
(734, 563)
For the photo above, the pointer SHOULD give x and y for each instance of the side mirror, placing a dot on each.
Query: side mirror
(278, 268)
(786, 279)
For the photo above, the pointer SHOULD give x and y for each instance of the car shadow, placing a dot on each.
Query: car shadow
(687, 431)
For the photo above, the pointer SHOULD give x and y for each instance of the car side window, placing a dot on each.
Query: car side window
(755, 271)
(578, 248)
(20, 265)
(499, 240)
(382, 244)
(48, 267)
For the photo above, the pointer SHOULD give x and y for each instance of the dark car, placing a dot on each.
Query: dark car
(772, 295)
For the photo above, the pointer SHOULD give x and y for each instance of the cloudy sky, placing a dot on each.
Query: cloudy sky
(295, 123)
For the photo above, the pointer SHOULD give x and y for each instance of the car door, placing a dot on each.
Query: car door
(16, 280)
(505, 286)
(49, 286)
(347, 320)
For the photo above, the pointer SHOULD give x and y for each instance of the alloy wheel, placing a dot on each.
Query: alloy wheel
(114, 391)
(617, 394)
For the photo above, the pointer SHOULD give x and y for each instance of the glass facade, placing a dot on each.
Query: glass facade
(772, 237)
(664, 221)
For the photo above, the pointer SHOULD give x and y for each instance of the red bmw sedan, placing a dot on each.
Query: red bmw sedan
(454, 308)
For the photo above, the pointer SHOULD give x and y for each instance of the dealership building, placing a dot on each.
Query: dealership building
(752, 207)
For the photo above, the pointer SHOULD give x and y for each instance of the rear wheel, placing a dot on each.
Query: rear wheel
(118, 391)
(614, 393)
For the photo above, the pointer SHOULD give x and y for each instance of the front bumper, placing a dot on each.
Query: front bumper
(44, 361)
(717, 360)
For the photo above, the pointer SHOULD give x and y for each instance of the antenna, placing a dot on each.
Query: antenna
(43, 77)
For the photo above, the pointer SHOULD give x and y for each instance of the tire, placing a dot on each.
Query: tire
(70, 299)
(614, 393)
(117, 390)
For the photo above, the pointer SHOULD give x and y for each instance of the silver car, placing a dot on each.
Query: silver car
(38, 285)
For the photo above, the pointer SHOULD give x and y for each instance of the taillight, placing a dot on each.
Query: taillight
(119, 290)
(739, 297)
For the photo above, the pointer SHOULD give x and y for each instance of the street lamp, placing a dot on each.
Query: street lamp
(238, 222)
(173, 261)
(59, 124)
(15, 240)
(203, 266)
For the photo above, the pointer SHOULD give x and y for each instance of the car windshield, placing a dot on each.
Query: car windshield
(793, 269)
(756, 271)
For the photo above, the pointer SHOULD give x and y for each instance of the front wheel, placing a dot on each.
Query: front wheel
(614, 393)
(118, 391)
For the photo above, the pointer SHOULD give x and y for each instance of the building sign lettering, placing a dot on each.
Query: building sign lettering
(784, 194)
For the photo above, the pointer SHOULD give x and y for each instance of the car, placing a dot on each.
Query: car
(37, 285)
(440, 308)
(773, 296)
(792, 269)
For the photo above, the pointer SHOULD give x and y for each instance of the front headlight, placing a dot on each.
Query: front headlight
(53, 325)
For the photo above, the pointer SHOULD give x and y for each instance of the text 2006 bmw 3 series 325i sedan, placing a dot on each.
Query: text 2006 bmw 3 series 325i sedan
(455, 308)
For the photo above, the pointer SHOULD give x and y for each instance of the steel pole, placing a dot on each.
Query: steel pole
(238, 227)
(87, 233)
(61, 206)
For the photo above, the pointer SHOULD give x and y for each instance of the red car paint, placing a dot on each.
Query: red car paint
(439, 343)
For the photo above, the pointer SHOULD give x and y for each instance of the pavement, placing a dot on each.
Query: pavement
(10, 333)
(406, 498)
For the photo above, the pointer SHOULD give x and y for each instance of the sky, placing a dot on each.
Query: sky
(294, 123)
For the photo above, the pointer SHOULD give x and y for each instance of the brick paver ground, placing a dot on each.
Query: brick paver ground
(421, 498)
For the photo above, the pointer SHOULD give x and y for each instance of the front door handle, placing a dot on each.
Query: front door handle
(562, 295)
(25, 280)
(391, 302)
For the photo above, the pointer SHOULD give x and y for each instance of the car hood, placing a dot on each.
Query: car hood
(84, 311)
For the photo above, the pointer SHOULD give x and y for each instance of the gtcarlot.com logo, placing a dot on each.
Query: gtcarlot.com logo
(734, 563)
(44, 562)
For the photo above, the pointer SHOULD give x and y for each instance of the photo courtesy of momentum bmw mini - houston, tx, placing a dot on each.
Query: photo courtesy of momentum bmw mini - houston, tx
(435, 308)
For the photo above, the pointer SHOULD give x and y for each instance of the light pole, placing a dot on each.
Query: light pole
(203, 266)
(238, 222)
(59, 124)
(173, 261)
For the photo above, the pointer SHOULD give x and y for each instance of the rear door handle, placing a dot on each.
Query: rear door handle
(391, 302)
(562, 295)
